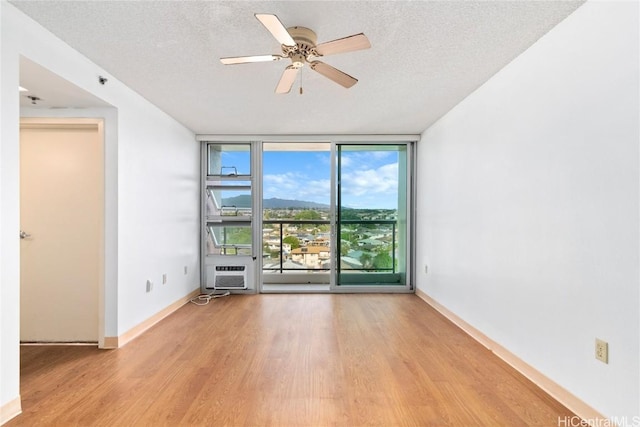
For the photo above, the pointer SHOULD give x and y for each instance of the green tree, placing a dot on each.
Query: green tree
(308, 214)
(293, 241)
(382, 260)
(365, 260)
(345, 247)
(347, 213)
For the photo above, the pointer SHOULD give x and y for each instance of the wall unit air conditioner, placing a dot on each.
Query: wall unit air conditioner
(229, 277)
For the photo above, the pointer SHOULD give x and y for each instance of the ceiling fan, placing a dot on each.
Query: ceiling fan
(299, 45)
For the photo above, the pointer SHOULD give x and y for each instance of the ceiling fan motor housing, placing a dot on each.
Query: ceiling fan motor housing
(305, 46)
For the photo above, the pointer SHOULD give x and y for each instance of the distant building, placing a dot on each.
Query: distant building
(311, 256)
(286, 265)
(370, 243)
(274, 245)
(320, 241)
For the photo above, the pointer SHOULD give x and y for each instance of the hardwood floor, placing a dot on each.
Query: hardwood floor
(285, 360)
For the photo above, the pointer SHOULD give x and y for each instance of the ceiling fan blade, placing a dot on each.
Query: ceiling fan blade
(334, 74)
(275, 27)
(287, 79)
(346, 44)
(249, 59)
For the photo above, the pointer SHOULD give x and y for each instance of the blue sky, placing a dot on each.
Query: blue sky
(369, 178)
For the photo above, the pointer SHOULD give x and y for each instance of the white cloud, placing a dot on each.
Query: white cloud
(366, 159)
(380, 181)
(365, 183)
(281, 184)
(346, 160)
(315, 191)
(297, 186)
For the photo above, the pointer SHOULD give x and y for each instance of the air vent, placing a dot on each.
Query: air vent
(230, 277)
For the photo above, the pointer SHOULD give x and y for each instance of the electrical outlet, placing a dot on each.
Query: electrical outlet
(149, 285)
(164, 279)
(602, 351)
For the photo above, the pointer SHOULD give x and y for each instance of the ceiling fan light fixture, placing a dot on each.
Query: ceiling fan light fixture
(298, 60)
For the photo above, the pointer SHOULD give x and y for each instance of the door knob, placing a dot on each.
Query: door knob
(24, 235)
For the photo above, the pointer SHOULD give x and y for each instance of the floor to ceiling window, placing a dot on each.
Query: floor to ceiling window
(308, 216)
(296, 216)
(372, 213)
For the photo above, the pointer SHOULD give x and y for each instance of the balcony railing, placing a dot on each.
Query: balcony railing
(385, 230)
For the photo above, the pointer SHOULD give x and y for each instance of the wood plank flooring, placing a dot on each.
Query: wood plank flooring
(285, 360)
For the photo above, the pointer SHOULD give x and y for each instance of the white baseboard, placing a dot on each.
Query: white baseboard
(10, 410)
(573, 403)
(136, 331)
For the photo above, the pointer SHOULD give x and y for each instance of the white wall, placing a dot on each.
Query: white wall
(158, 214)
(529, 207)
(151, 187)
(9, 217)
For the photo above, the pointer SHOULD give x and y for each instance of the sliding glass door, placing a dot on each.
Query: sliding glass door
(372, 216)
(296, 216)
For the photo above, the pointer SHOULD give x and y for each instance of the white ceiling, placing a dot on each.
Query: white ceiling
(51, 90)
(426, 56)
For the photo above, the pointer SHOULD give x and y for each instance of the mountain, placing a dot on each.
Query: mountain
(275, 203)
(244, 201)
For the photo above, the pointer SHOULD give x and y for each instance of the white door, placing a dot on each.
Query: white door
(61, 211)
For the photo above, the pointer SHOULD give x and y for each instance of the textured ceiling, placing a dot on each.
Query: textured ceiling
(426, 56)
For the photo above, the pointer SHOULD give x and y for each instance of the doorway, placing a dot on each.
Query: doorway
(62, 223)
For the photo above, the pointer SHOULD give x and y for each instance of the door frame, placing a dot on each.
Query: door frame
(53, 122)
(410, 195)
